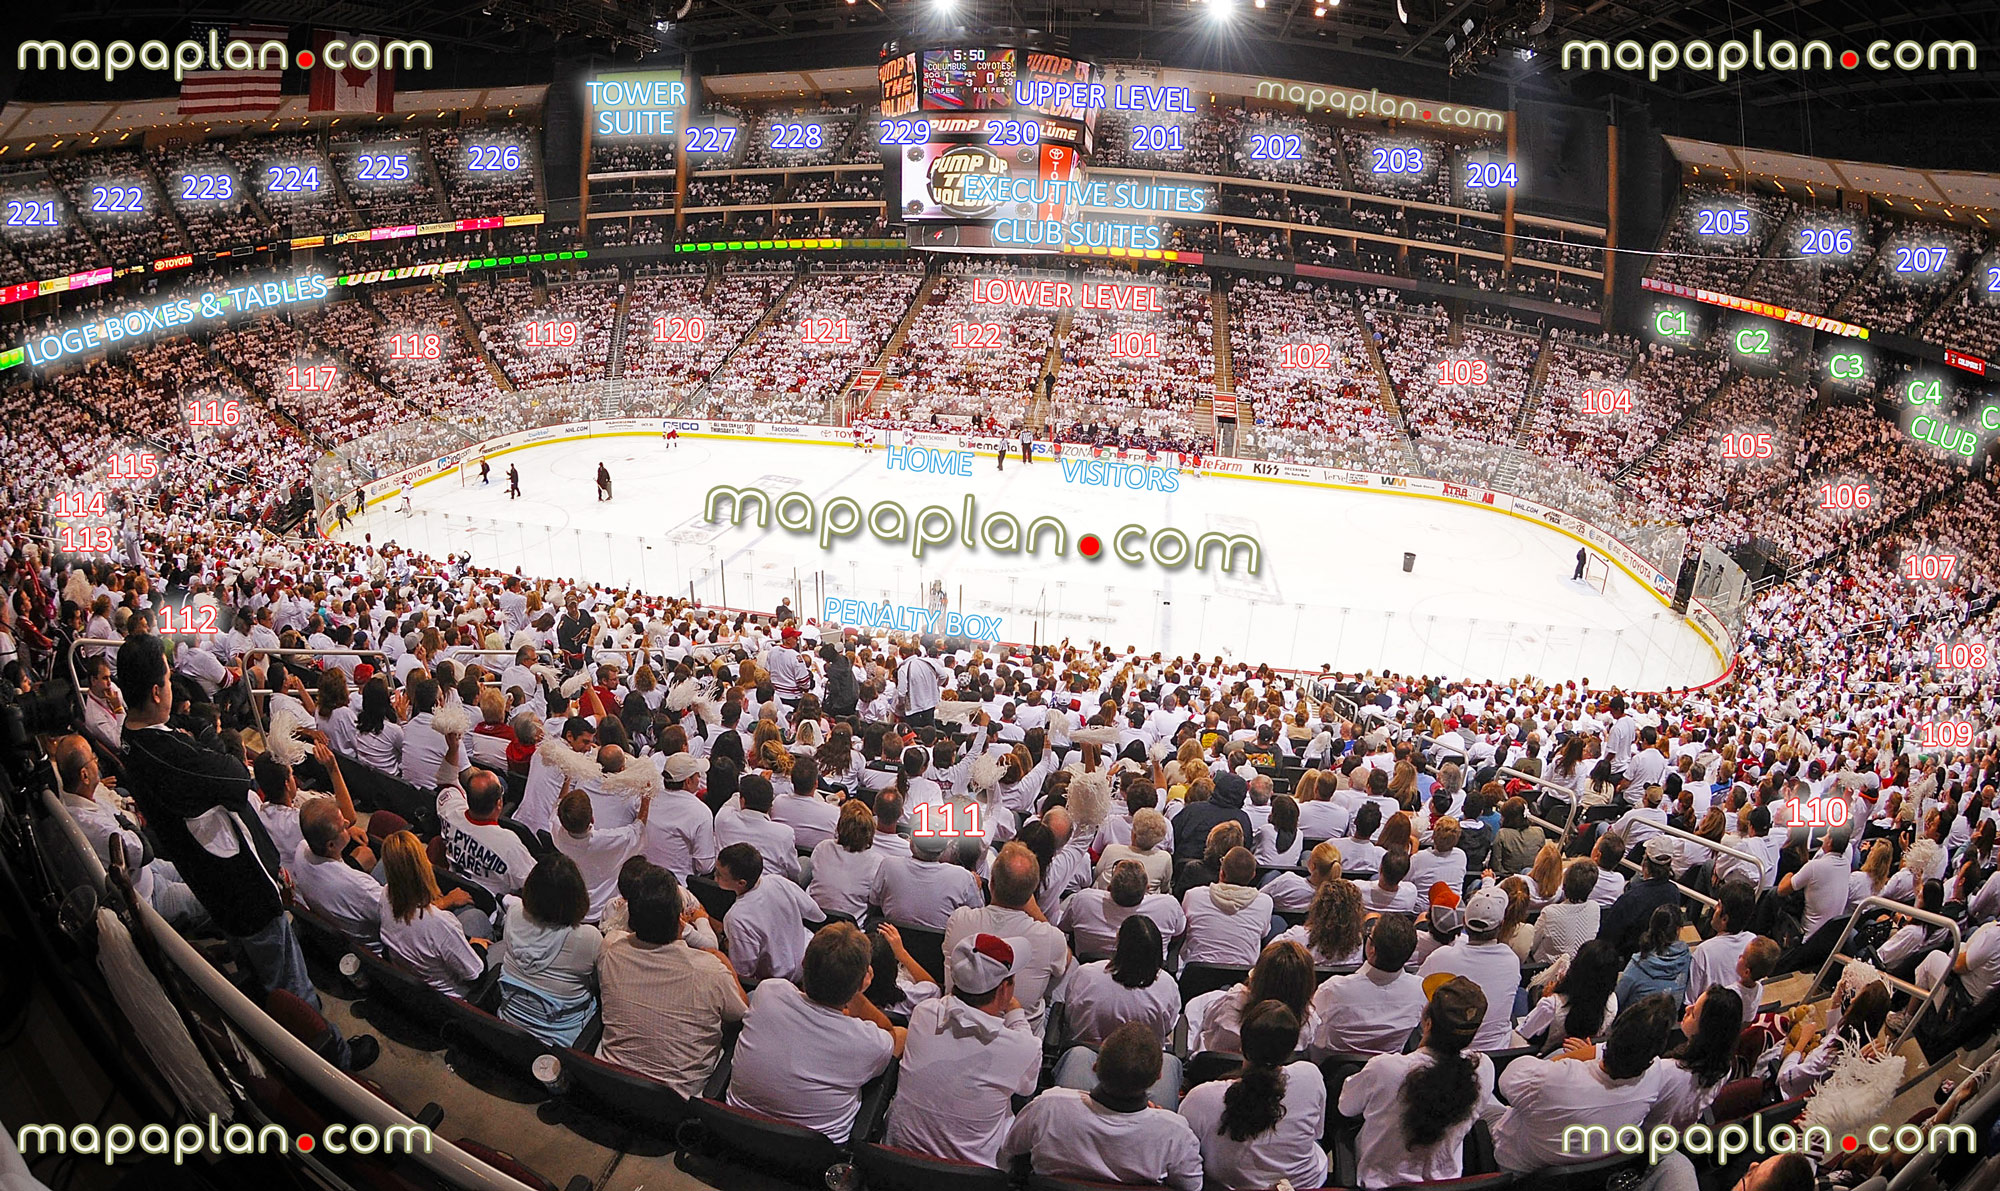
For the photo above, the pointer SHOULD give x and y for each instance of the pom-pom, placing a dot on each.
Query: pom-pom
(710, 711)
(546, 674)
(1103, 737)
(521, 637)
(577, 767)
(450, 718)
(1089, 800)
(1856, 1094)
(1923, 857)
(1058, 728)
(682, 695)
(987, 770)
(953, 712)
(575, 683)
(634, 780)
(286, 738)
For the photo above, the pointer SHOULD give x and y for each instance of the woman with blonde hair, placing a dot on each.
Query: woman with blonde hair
(416, 928)
(1442, 861)
(1545, 877)
(1403, 785)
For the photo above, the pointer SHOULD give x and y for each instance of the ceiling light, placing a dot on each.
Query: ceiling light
(1320, 11)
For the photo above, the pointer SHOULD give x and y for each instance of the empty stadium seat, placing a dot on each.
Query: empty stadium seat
(498, 1044)
(514, 1168)
(1197, 979)
(634, 1104)
(728, 1136)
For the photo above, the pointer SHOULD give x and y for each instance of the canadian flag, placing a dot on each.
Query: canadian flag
(350, 89)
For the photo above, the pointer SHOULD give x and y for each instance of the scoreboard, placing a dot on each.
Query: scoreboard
(954, 113)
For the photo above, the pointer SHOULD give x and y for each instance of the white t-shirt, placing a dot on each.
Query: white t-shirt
(1070, 1135)
(1093, 919)
(1496, 970)
(766, 929)
(487, 853)
(1375, 1094)
(434, 944)
(1714, 961)
(1094, 1004)
(1824, 881)
(844, 881)
(1403, 900)
(923, 893)
(802, 1062)
(1366, 1012)
(1041, 953)
(1216, 935)
(1982, 960)
(598, 857)
(1546, 1096)
(960, 1069)
(1288, 1150)
(338, 892)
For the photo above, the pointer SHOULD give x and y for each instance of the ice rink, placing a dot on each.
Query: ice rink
(1490, 596)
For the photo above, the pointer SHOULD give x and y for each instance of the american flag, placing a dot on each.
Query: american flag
(225, 91)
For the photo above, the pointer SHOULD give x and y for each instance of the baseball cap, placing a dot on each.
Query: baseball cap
(1659, 850)
(980, 963)
(682, 766)
(1457, 1005)
(929, 845)
(1486, 909)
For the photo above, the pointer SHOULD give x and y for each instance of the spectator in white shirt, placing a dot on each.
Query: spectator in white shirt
(1609, 854)
(1093, 916)
(1570, 923)
(752, 824)
(430, 758)
(807, 1049)
(1331, 933)
(765, 928)
(1416, 1108)
(599, 852)
(341, 893)
(1371, 1011)
(103, 709)
(844, 867)
(1390, 892)
(415, 929)
(476, 846)
(1443, 861)
(1581, 1002)
(921, 889)
(1227, 921)
(1262, 1127)
(1491, 964)
(965, 1057)
(811, 818)
(1149, 831)
(1041, 954)
(680, 834)
(1702, 1061)
(1110, 1133)
(1545, 1097)
(1824, 884)
(1133, 985)
(1283, 973)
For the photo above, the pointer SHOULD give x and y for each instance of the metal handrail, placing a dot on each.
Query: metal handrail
(1561, 791)
(1985, 1104)
(1847, 932)
(454, 1166)
(1703, 898)
(255, 712)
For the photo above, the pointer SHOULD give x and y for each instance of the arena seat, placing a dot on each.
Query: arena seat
(924, 946)
(1495, 1181)
(1585, 1176)
(387, 985)
(1197, 979)
(491, 1041)
(633, 1104)
(1049, 1182)
(1209, 1065)
(508, 1164)
(715, 1132)
(887, 1168)
(713, 897)
(374, 789)
(324, 945)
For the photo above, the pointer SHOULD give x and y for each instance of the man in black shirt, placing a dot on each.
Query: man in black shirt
(196, 803)
(1582, 552)
(513, 481)
(603, 482)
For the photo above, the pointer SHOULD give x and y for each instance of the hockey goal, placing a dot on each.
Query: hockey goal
(468, 472)
(1596, 573)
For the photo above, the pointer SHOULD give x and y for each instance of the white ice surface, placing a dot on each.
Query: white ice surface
(1490, 596)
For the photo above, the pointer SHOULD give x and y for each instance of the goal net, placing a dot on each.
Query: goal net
(1597, 573)
(468, 472)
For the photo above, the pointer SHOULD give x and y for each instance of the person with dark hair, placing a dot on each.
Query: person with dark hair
(765, 927)
(1133, 985)
(1225, 805)
(1283, 972)
(1580, 1002)
(1570, 923)
(1371, 1011)
(1390, 892)
(1479, 955)
(752, 823)
(1713, 960)
(1625, 919)
(1702, 1061)
(599, 852)
(378, 729)
(476, 846)
(1263, 1125)
(1547, 1096)
(1110, 1133)
(1661, 966)
(665, 1002)
(196, 805)
(1853, 1018)
(844, 867)
(965, 1058)
(549, 772)
(1416, 1108)
(1093, 916)
(1900, 953)
(548, 954)
(807, 1048)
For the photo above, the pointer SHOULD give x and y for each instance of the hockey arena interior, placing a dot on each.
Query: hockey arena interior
(946, 595)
